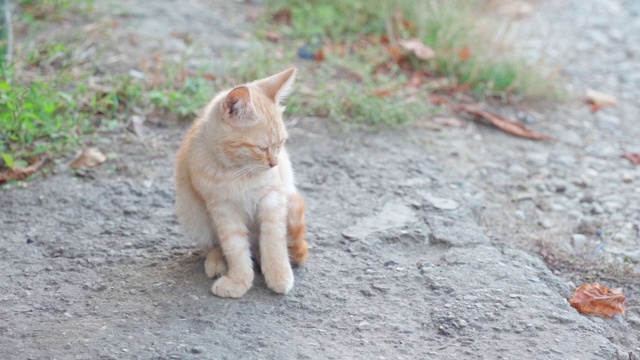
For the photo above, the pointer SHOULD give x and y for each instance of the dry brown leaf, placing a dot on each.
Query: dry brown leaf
(438, 100)
(273, 36)
(90, 157)
(597, 299)
(283, 17)
(448, 121)
(465, 53)
(418, 48)
(504, 124)
(320, 55)
(19, 173)
(382, 92)
(633, 157)
(598, 100)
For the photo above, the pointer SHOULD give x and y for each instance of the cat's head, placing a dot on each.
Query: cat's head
(251, 117)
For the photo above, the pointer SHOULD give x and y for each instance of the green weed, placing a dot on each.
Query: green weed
(466, 50)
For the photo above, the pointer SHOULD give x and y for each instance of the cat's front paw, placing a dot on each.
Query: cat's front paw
(225, 287)
(281, 280)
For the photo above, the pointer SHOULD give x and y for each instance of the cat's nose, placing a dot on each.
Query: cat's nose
(272, 164)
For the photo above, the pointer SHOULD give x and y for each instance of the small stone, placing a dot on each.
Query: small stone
(597, 209)
(537, 159)
(591, 172)
(29, 241)
(520, 214)
(578, 241)
(546, 223)
(128, 244)
(363, 325)
(440, 203)
(622, 355)
(627, 178)
(381, 287)
(48, 268)
(197, 350)
(517, 171)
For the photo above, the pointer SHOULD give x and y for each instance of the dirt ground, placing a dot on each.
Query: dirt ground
(424, 243)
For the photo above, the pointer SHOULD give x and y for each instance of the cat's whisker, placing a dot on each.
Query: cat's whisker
(292, 122)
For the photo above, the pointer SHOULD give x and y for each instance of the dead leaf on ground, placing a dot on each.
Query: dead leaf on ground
(273, 36)
(598, 299)
(20, 173)
(448, 121)
(465, 53)
(418, 48)
(283, 17)
(320, 55)
(137, 125)
(438, 100)
(633, 157)
(598, 100)
(504, 124)
(90, 157)
(381, 93)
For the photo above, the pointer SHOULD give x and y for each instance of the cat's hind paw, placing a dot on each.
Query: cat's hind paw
(225, 287)
(214, 264)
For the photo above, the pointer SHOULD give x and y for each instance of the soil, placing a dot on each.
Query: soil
(424, 243)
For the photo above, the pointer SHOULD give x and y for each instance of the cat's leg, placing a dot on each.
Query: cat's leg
(274, 258)
(214, 264)
(196, 223)
(296, 228)
(233, 237)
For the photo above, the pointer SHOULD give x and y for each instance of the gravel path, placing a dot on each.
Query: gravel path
(417, 252)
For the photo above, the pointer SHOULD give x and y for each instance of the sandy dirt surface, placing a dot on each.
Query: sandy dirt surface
(419, 249)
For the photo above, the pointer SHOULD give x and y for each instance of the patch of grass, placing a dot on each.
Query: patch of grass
(37, 116)
(52, 10)
(466, 51)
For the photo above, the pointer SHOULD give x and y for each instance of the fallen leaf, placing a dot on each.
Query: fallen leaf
(633, 157)
(283, 16)
(273, 36)
(320, 55)
(90, 157)
(395, 53)
(465, 53)
(598, 100)
(597, 299)
(418, 48)
(209, 76)
(19, 173)
(448, 121)
(137, 125)
(382, 92)
(417, 79)
(438, 100)
(504, 124)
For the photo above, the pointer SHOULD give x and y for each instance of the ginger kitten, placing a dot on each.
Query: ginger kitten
(234, 188)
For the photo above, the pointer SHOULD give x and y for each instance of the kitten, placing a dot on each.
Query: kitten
(234, 188)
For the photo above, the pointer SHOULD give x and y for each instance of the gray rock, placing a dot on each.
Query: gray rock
(394, 214)
(438, 202)
(578, 241)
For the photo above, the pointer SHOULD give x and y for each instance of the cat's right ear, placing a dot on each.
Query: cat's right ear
(237, 108)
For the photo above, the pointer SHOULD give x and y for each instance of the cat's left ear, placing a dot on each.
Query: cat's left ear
(278, 86)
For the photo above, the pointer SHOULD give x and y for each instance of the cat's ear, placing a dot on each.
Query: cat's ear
(237, 108)
(278, 86)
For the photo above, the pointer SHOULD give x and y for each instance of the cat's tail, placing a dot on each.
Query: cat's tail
(296, 228)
